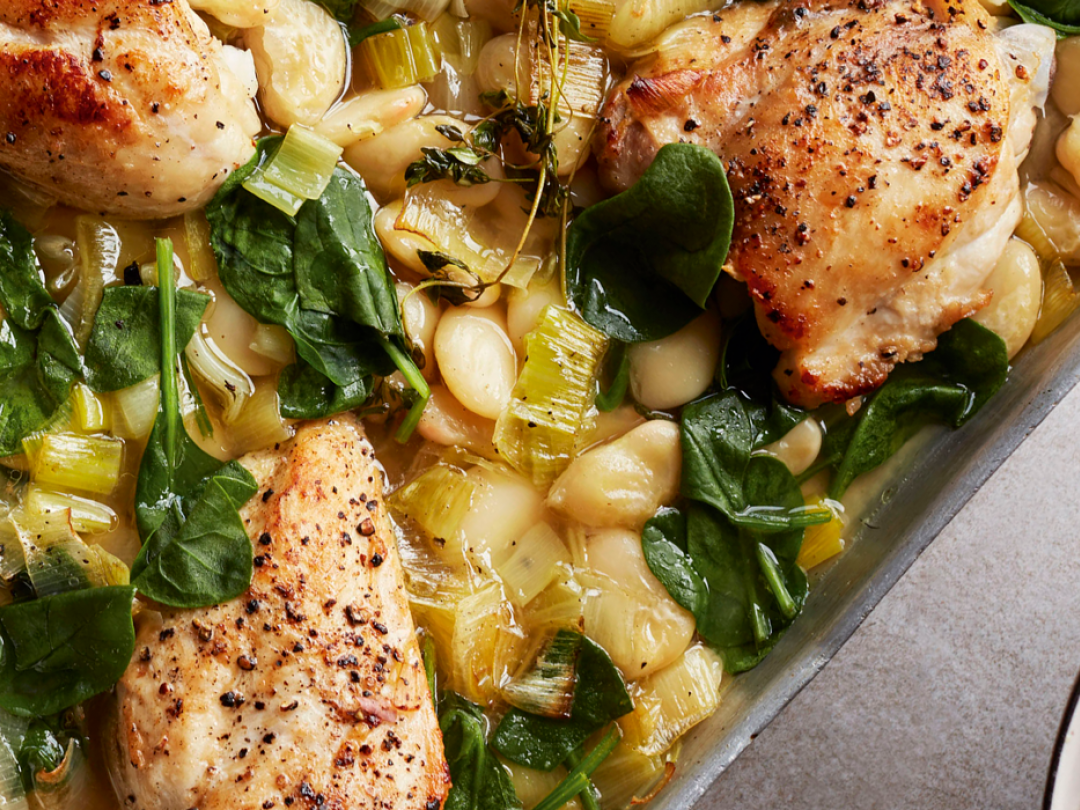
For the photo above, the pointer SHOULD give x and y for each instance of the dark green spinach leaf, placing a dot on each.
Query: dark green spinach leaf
(641, 265)
(322, 275)
(63, 649)
(125, 345)
(480, 782)
(618, 363)
(950, 385)
(1061, 15)
(719, 434)
(304, 393)
(39, 359)
(200, 554)
(742, 585)
(544, 743)
(341, 10)
(195, 549)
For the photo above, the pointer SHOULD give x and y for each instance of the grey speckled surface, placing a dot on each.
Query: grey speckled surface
(949, 695)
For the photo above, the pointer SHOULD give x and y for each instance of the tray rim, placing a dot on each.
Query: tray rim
(1032, 401)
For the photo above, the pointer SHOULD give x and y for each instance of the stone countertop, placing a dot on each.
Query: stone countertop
(950, 694)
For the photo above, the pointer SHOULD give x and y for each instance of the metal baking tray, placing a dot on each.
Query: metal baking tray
(934, 477)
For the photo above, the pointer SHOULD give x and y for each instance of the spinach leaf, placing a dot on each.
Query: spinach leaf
(195, 549)
(746, 364)
(950, 385)
(304, 393)
(544, 742)
(664, 542)
(1061, 15)
(641, 265)
(719, 434)
(742, 585)
(618, 361)
(323, 276)
(480, 782)
(125, 345)
(43, 748)
(203, 558)
(39, 359)
(341, 10)
(62, 649)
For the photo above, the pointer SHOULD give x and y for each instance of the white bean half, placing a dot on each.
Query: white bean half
(622, 483)
(368, 114)
(496, 67)
(301, 57)
(672, 371)
(799, 447)
(1065, 89)
(636, 621)
(476, 359)
(524, 308)
(237, 13)
(421, 316)
(504, 507)
(447, 422)
(1017, 285)
(382, 160)
(401, 245)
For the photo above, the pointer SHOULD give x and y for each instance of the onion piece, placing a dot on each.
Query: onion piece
(230, 385)
(260, 424)
(99, 253)
(135, 408)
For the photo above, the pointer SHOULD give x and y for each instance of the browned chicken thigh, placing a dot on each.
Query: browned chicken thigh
(309, 690)
(119, 106)
(868, 153)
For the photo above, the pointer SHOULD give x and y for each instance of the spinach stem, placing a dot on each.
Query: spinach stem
(169, 392)
(577, 781)
(588, 796)
(771, 569)
(416, 380)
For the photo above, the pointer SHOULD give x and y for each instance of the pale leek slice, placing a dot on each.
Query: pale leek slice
(551, 413)
(87, 516)
(12, 733)
(401, 57)
(83, 463)
(300, 170)
(436, 500)
(1060, 300)
(201, 262)
(533, 563)
(92, 413)
(670, 702)
(304, 163)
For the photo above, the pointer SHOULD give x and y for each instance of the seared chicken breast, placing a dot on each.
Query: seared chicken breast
(870, 156)
(120, 106)
(309, 690)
